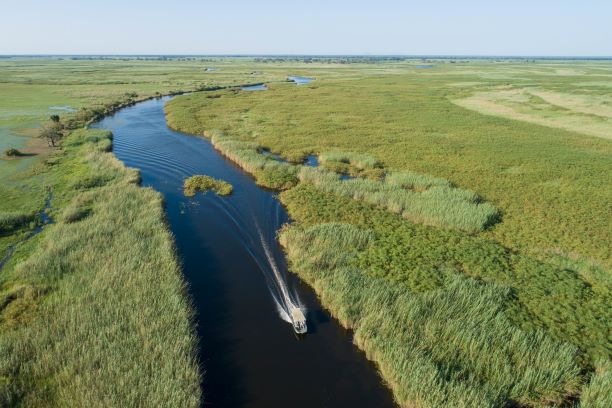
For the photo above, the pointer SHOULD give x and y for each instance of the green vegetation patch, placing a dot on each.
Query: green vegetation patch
(94, 310)
(344, 248)
(453, 346)
(201, 183)
(267, 171)
(419, 198)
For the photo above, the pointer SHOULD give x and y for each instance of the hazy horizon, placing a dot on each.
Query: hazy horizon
(389, 28)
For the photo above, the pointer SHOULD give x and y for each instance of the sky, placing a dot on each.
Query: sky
(378, 27)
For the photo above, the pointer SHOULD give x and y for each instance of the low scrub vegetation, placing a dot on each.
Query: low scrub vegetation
(202, 183)
(12, 152)
(419, 198)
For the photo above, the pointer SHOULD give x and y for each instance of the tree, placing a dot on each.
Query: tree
(52, 132)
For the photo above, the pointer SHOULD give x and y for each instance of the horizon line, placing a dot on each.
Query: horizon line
(246, 55)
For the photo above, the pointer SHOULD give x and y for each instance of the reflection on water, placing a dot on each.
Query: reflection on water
(65, 108)
(258, 87)
(300, 80)
(234, 268)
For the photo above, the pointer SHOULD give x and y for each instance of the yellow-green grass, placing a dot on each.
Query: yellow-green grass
(578, 113)
(94, 310)
(415, 297)
(202, 184)
(551, 185)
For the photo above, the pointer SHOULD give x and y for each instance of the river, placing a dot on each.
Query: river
(250, 355)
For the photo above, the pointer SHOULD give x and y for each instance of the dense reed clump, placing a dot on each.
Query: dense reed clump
(596, 393)
(11, 220)
(419, 198)
(453, 346)
(267, 171)
(94, 310)
(352, 164)
(202, 183)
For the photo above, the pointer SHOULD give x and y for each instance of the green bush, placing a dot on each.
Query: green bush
(12, 152)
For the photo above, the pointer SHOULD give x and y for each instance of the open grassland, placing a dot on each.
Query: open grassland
(551, 185)
(512, 309)
(590, 115)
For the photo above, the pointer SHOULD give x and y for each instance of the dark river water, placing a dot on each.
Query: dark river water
(250, 355)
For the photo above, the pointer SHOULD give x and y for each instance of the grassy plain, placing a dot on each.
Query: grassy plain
(514, 312)
(552, 185)
(536, 284)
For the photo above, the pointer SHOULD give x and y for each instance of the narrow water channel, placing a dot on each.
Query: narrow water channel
(250, 355)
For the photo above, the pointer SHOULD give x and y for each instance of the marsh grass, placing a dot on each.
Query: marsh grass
(453, 346)
(202, 183)
(596, 394)
(94, 309)
(10, 221)
(268, 172)
(419, 198)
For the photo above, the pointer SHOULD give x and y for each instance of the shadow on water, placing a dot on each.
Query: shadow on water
(235, 269)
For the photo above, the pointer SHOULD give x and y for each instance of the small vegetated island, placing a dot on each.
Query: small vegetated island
(458, 222)
(202, 184)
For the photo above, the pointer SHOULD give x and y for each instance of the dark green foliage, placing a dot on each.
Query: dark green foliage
(12, 152)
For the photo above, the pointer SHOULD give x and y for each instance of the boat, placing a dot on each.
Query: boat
(298, 320)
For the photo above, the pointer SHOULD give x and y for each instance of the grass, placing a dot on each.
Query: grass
(447, 347)
(345, 249)
(549, 184)
(583, 114)
(474, 313)
(202, 183)
(97, 315)
(501, 302)
(438, 205)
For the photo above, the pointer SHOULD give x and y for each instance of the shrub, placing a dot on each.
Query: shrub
(12, 152)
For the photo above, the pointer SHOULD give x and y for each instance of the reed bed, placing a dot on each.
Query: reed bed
(453, 346)
(94, 310)
(419, 198)
(268, 172)
(11, 220)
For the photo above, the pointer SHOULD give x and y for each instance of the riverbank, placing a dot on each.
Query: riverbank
(94, 308)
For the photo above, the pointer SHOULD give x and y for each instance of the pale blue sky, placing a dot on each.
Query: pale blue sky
(472, 27)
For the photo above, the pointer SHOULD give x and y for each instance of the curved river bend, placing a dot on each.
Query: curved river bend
(251, 357)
